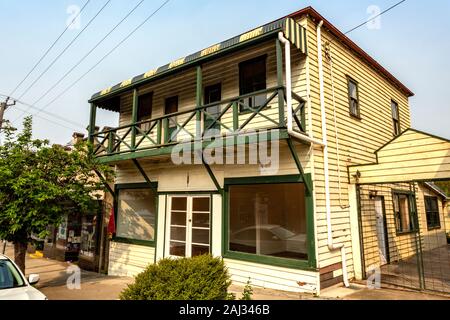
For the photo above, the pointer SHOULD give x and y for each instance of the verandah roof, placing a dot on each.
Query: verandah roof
(294, 32)
(414, 156)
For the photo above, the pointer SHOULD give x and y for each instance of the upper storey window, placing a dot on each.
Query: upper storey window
(396, 118)
(353, 97)
(252, 78)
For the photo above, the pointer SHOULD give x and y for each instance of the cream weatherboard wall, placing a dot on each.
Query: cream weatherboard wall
(357, 138)
(400, 246)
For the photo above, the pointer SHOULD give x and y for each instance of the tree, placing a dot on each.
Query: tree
(36, 180)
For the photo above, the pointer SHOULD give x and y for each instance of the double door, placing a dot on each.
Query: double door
(188, 226)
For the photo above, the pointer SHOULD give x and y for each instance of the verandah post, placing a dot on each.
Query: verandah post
(199, 94)
(134, 119)
(92, 121)
(279, 52)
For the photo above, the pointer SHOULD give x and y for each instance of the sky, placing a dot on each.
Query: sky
(412, 42)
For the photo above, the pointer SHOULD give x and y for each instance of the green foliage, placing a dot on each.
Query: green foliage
(444, 185)
(248, 291)
(37, 180)
(198, 278)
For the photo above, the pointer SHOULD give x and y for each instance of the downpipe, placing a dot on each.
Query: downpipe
(323, 143)
(290, 117)
(331, 245)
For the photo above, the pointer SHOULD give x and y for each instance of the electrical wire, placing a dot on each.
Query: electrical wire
(89, 53)
(45, 112)
(373, 18)
(64, 50)
(50, 48)
(105, 56)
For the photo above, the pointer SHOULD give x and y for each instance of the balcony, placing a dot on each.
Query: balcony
(239, 116)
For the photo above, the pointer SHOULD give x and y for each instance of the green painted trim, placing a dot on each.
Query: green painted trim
(134, 114)
(234, 44)
(413, 214)
(131, 186)
(188, 192)
(195, 146)
(141, 170)
(92, 120)
(136, 186)
(135, 242)
(107, 186)
(279, 54)
(311, 264)
(298, 163)
(271, 261)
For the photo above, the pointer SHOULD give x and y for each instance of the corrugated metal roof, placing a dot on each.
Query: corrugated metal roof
(292, 30)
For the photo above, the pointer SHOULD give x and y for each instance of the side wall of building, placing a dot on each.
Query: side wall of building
(357, 139)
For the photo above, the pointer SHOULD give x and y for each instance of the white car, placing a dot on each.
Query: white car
(273, 240)
(14, 285)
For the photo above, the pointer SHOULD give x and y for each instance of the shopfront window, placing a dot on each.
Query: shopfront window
(268, 220)
(136, 214)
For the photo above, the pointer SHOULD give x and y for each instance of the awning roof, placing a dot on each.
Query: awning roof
(412, 156)
(292, 31)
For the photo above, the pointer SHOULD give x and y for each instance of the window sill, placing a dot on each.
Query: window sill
(356, 117)
(271, 261)
(405, 233)
(135, 242)
(434, 228)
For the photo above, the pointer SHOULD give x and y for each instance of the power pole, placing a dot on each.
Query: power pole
(3, 107)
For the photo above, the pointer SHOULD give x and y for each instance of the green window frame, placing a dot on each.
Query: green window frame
(310, 264)
(432, 213)
(136, 186)
(353, 98)
(401, 226)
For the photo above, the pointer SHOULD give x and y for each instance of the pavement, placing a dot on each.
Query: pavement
(54, 276)
(93, 286)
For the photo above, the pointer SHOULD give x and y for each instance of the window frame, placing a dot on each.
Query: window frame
(396, 122)
(350, 98)
(432, 227)
(264, 58)
(136, 186)
(142, 126)
(412, 212)
(310, 264)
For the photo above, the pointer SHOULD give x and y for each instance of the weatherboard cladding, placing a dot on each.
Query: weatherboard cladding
(294, 32)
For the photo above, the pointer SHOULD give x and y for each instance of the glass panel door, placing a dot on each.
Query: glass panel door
(189, 221)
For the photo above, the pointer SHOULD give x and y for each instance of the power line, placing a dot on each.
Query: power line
(64, 50)
(106, 55)
(48, 120)
(89, 53)
(373, 18)
(49, 49)
(45, 112)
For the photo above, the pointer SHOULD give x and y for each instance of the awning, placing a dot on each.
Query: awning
(294, 32)
(412, 156)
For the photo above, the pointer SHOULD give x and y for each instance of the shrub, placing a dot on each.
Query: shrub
(198, 278)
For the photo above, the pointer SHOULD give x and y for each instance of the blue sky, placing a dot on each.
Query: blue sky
(413, 43)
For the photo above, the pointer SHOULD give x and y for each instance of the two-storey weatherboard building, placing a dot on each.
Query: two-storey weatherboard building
(297, 87)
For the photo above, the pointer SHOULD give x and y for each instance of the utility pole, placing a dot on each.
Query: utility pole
(3, 107)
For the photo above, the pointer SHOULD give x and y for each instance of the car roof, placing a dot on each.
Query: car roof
(3, 257)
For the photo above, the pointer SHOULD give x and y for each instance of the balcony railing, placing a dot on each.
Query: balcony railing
(264, 109)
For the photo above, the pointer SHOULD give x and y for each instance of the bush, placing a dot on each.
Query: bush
(198, 278)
